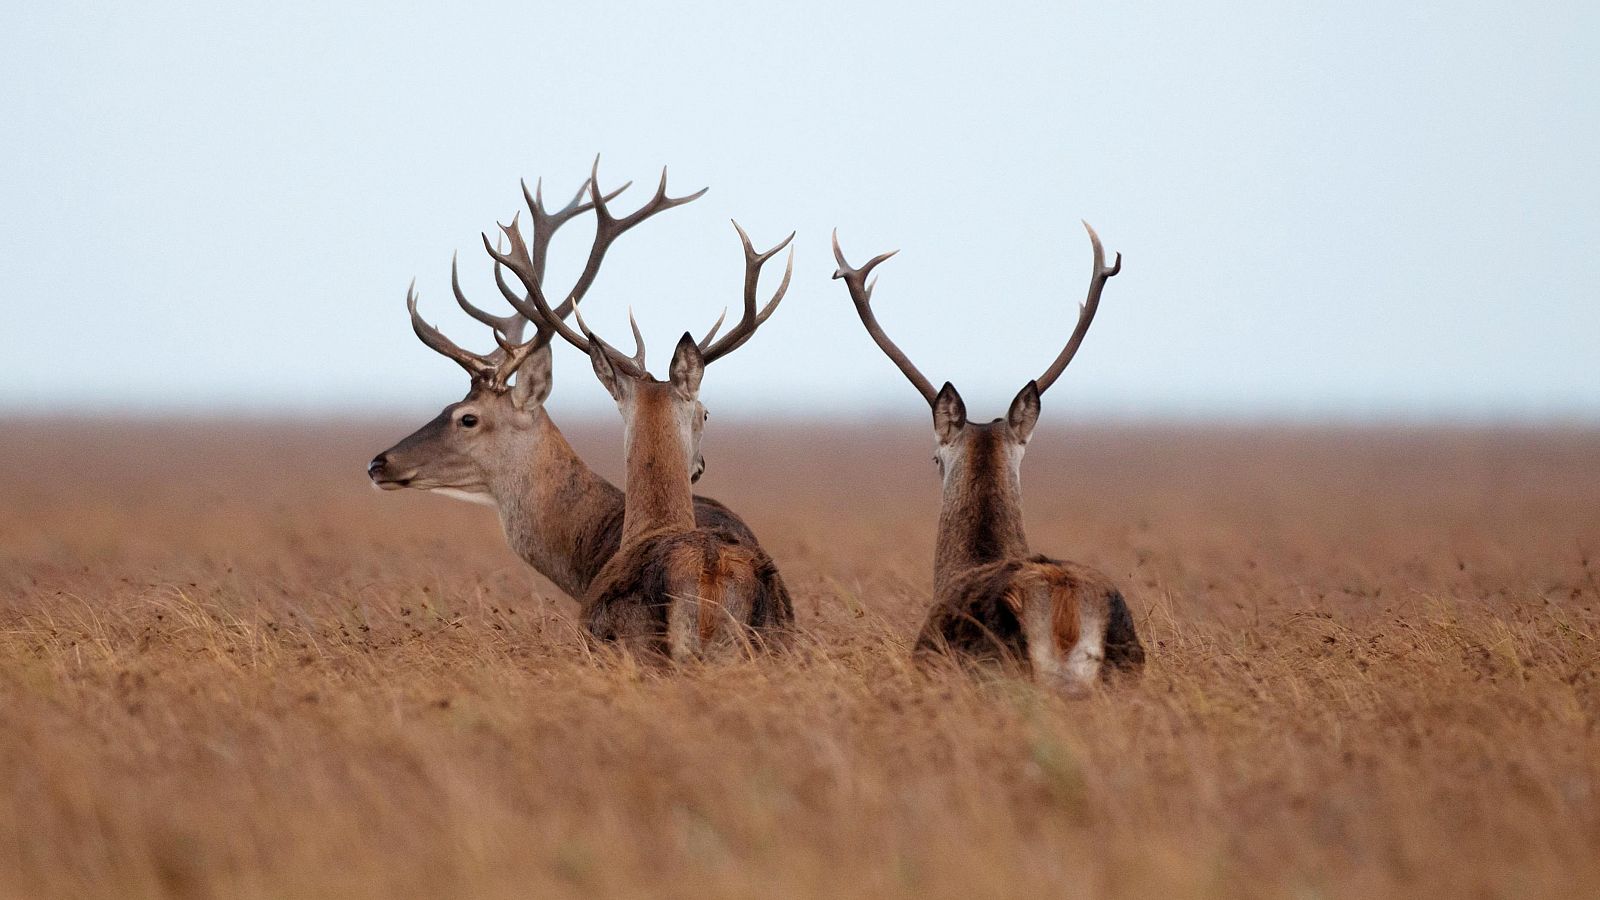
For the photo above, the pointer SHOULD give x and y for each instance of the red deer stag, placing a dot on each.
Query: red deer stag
(993, 598)
(675, 587)
(498, 446)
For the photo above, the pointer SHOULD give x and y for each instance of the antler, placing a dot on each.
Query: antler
(510, 326)
(1097, 284)
(634, 363)
(474, 364)
(608, 228)
(545, 225)
(497, 367)
(750, 320)
(545, 222)
(861, 293)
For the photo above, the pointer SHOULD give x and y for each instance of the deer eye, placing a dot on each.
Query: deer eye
(469, 421)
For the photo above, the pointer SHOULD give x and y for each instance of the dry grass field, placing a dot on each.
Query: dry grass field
(230, 668)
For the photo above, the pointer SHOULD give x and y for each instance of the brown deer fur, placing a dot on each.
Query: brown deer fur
(993, 598)
(675, 587)
(560, 516)
(497, 446)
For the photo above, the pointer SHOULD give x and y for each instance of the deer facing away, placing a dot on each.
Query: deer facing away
(993, 597)
(499, 447)
(675, 587)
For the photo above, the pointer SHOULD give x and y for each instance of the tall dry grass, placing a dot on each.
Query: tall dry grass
(227, 668)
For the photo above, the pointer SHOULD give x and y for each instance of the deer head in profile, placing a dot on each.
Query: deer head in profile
(474, 443)
(497, 446)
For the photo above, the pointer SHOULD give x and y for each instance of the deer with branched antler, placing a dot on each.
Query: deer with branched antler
(993, 598)
(497, 445)
(675, 587)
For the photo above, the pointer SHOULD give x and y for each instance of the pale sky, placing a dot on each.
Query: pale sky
(1326, 210)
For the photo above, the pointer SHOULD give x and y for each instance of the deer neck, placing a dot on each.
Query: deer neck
(550, 504)
(658, 492)
(980, 515)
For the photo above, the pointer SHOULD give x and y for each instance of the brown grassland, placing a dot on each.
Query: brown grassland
(230, 668)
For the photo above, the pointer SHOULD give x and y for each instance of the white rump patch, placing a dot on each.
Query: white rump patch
(1075, 673)
(1085, 658)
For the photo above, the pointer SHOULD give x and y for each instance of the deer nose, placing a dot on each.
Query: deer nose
(375, 468)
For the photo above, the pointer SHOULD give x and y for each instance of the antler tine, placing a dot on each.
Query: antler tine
(608, 227)
(1097, 284)
(535, 200)
(476, 366)
(528, 265)
(534, 306)
(511, 326)
(511, 296)
(715, 326)
(660, 202)
(546, 222)
(537, 307)
(771, 307)
(518, 302)
(545, 225)
(861, 293)
(638, 339)
(513, 355)
(751, 319)
(636, 360)
(576, 206)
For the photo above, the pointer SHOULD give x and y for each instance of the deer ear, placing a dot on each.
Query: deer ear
(949, 414)
(532, 386)
(617, 384)
(688, 366)
(1024, 412)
